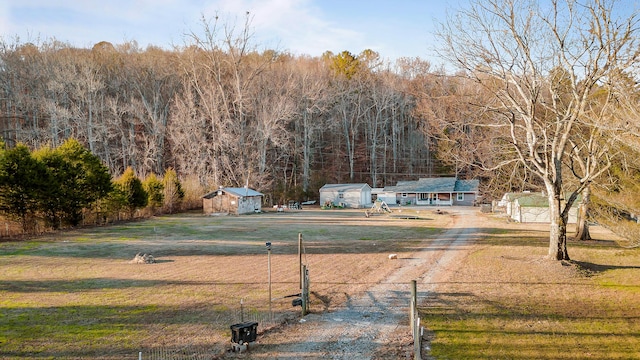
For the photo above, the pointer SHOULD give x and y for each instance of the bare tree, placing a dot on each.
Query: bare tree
(155, 83)
(312, 104)
(541, 62)
(220, 70)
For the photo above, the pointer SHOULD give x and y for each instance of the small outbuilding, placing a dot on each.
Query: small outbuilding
(346, 195)
(508, 201)
(534, 208)
(236, 201)
(381, 194)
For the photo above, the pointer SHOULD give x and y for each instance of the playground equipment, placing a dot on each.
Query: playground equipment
(378, 207)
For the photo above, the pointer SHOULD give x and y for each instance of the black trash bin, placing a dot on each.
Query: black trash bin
(244, 332)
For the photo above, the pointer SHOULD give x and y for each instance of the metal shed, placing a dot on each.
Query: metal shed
(534, 208)
(346, 195)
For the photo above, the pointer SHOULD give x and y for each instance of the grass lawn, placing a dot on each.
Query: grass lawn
(507, 302)
(77, 295)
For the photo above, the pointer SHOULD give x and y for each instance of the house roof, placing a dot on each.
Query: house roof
(466, 186)
(238, 192)
(426, 185)
(513, 196)
(539, 200)
(435, 185)
(533, 200)
(344, 187)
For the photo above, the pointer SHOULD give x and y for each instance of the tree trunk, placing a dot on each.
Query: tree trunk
(558, 228)
(306, 150)
(582, 227)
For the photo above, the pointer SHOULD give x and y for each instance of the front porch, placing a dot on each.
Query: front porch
(426, 198)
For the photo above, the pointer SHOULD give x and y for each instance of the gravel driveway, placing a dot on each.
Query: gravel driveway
(374, 324)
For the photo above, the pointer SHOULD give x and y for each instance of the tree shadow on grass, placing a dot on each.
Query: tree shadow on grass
(600, 268)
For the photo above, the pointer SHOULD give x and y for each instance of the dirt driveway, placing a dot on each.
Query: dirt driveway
(373, 324)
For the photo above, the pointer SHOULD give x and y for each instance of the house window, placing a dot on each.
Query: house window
(404, 195)
(460, 196)
(341, 196)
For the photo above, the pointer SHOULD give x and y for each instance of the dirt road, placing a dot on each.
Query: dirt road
(374, 324)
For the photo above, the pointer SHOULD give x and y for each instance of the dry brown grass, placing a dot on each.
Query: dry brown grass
(507, 301)
(76, 294)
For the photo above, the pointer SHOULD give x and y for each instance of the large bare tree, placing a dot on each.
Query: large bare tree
(542, 61)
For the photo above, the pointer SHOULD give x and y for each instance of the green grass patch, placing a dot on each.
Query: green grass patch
(509, 302)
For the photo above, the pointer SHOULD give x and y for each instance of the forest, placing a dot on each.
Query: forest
(223, 113)
(220, 110)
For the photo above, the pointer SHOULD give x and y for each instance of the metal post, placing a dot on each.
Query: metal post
(269, 271)
(304, 291)
(415, 321)
(414, 301)
(241, 310)
(300, 258)
(417, 341)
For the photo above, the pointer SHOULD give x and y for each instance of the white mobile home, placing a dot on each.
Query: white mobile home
(346, 195)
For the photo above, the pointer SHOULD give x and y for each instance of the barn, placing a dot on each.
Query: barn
(236, 201)
(346, 195)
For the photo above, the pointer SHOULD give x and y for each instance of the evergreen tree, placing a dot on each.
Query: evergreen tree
(59, 171)
(131, 191)
(155, 191)
(24, 181)
(77, 180)
(91, 180)
(173, 192)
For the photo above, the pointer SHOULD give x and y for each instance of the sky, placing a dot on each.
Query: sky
(393, 28)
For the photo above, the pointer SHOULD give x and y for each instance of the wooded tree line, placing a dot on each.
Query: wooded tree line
(222, 112)
(53, 188)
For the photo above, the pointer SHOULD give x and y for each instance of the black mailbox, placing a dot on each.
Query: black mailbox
(244, 332)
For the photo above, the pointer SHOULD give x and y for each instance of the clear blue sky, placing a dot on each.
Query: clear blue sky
(393, 28)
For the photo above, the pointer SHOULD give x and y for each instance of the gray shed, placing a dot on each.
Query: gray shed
(232, 201)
